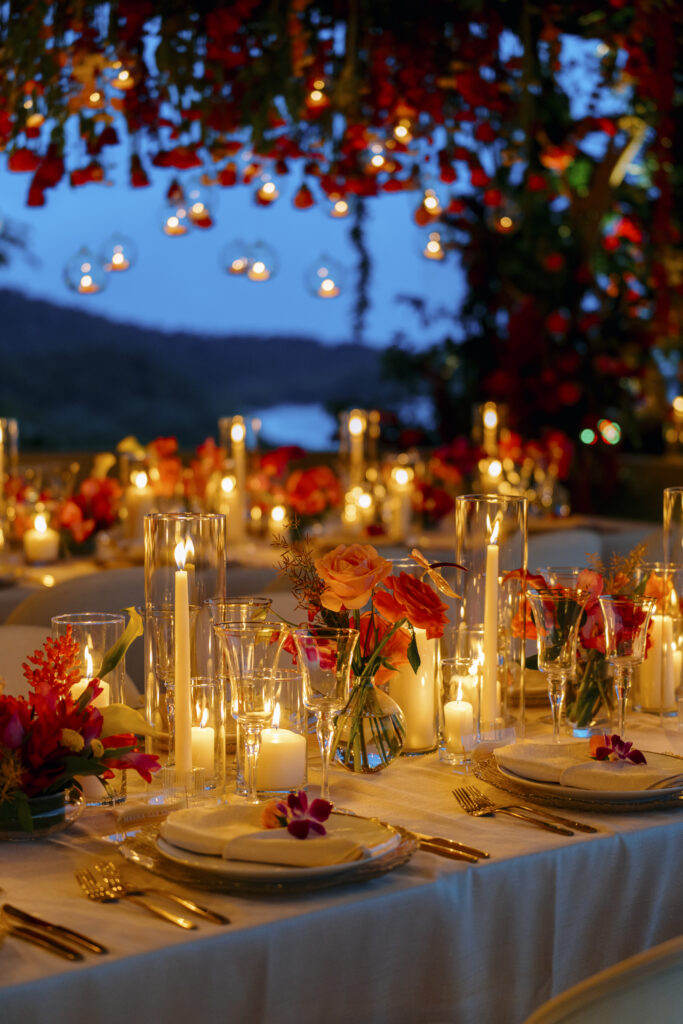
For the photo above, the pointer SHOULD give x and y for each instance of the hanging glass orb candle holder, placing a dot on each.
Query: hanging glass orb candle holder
(267, 192)
(340, 206)
(201, 203)
(175, 221)
(118, 253)
(325, 278)
(505, 218)
(262, 262)
(433, 247)
(84, 274)
(234, 258)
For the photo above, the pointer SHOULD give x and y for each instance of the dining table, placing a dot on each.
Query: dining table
(429, 941)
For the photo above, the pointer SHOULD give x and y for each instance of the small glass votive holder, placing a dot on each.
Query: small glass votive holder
(282, 764)
(460, 701)
(208, 732)
(96, 633)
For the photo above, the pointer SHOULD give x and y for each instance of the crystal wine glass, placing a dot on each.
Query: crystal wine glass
(252, 650)
(626, 623)
(557, 613)
(325, 655)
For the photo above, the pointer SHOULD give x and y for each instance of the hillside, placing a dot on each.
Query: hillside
(78, 381)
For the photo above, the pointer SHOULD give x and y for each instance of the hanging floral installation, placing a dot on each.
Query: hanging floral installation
(564, 210)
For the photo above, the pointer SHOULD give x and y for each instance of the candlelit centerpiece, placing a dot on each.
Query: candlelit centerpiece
(353, 586)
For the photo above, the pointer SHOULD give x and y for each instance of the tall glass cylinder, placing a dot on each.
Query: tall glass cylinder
(184, 570)
(673, 525)
(416, 693)
(658, 677)
(491, 542)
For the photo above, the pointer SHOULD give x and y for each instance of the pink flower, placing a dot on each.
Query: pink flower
(613, 748)
(296, 816)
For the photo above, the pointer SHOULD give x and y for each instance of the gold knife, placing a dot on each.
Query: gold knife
(67, 933)
(445, 851)
(449, 844)
(44, 941)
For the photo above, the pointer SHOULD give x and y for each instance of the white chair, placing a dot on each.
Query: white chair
(646, 987)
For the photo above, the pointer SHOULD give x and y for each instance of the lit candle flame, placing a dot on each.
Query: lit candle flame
(495, 530)
(88, 664)
(276, 717)
(183, 551)
(204, 718)
(40, 524)
(140, 480)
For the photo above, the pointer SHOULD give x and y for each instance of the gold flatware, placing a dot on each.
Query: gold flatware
(435, 844)
(58, 929)
(43, 941)
(475, 803)
(109, 870)
(542, 813)
(102, 891)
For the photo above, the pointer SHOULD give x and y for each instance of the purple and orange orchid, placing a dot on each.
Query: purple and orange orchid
(297, 816)
(613, 748)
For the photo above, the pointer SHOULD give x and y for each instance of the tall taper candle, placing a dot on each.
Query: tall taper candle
(182, 721)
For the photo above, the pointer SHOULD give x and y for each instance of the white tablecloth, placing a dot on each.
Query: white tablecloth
(434, 941)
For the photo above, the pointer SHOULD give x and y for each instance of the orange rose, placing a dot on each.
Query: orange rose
(395, 651)
(414, 600)
(349, 574)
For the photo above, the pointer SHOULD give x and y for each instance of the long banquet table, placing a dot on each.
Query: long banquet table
(433, 941)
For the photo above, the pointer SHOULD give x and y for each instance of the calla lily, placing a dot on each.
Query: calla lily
(120, 718)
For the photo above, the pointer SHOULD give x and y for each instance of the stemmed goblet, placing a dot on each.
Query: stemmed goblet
(557, 613)
(325, 656)
(252, 650)
(627, 620)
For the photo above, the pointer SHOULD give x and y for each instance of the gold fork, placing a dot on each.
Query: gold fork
(102, 890)
(109, 871)
(475, 803)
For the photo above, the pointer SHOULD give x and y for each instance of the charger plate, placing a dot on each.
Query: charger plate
(553, 795)
(148, 850)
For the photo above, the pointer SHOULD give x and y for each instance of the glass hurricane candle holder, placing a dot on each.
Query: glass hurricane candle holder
(626, 624)
(659, 674)
(207, 711)
(672, 516)
(491, 541)
(96, 633)
(184, 568)
(415, 692)
(557, 614)
(460, 687)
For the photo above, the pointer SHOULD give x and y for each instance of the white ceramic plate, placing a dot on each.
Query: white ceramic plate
(666, 762)
(377, 839)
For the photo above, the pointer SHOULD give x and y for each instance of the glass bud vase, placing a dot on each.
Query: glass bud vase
(370, 731)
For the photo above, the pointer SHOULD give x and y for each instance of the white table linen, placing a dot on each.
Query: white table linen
(435, 941)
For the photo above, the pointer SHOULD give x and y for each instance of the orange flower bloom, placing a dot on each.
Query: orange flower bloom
(395, 651)
(414, 600)
(349, 573)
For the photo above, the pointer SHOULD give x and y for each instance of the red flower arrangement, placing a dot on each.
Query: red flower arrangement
(50, 737)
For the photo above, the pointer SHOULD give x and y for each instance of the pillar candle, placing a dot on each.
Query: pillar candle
(281, 760)
(489, 687)
(203, 742)
(656, 672)
(415, 693)
(138, 502)
(41, 544)
(183, 733)
(458, 723)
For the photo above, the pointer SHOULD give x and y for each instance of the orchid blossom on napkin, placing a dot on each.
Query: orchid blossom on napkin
(296, 816)
(613, 748)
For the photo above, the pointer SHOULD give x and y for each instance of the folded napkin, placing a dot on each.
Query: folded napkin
(569, 763)
(277, 846)
(207, 830)
(541, 761)
(620, 776)
(234, 832)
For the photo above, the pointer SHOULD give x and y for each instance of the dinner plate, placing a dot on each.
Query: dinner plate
(377, 839)
(664, 761)
(552, 794)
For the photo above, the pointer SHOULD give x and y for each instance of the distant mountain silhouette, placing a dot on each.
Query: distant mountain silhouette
(81, 382)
